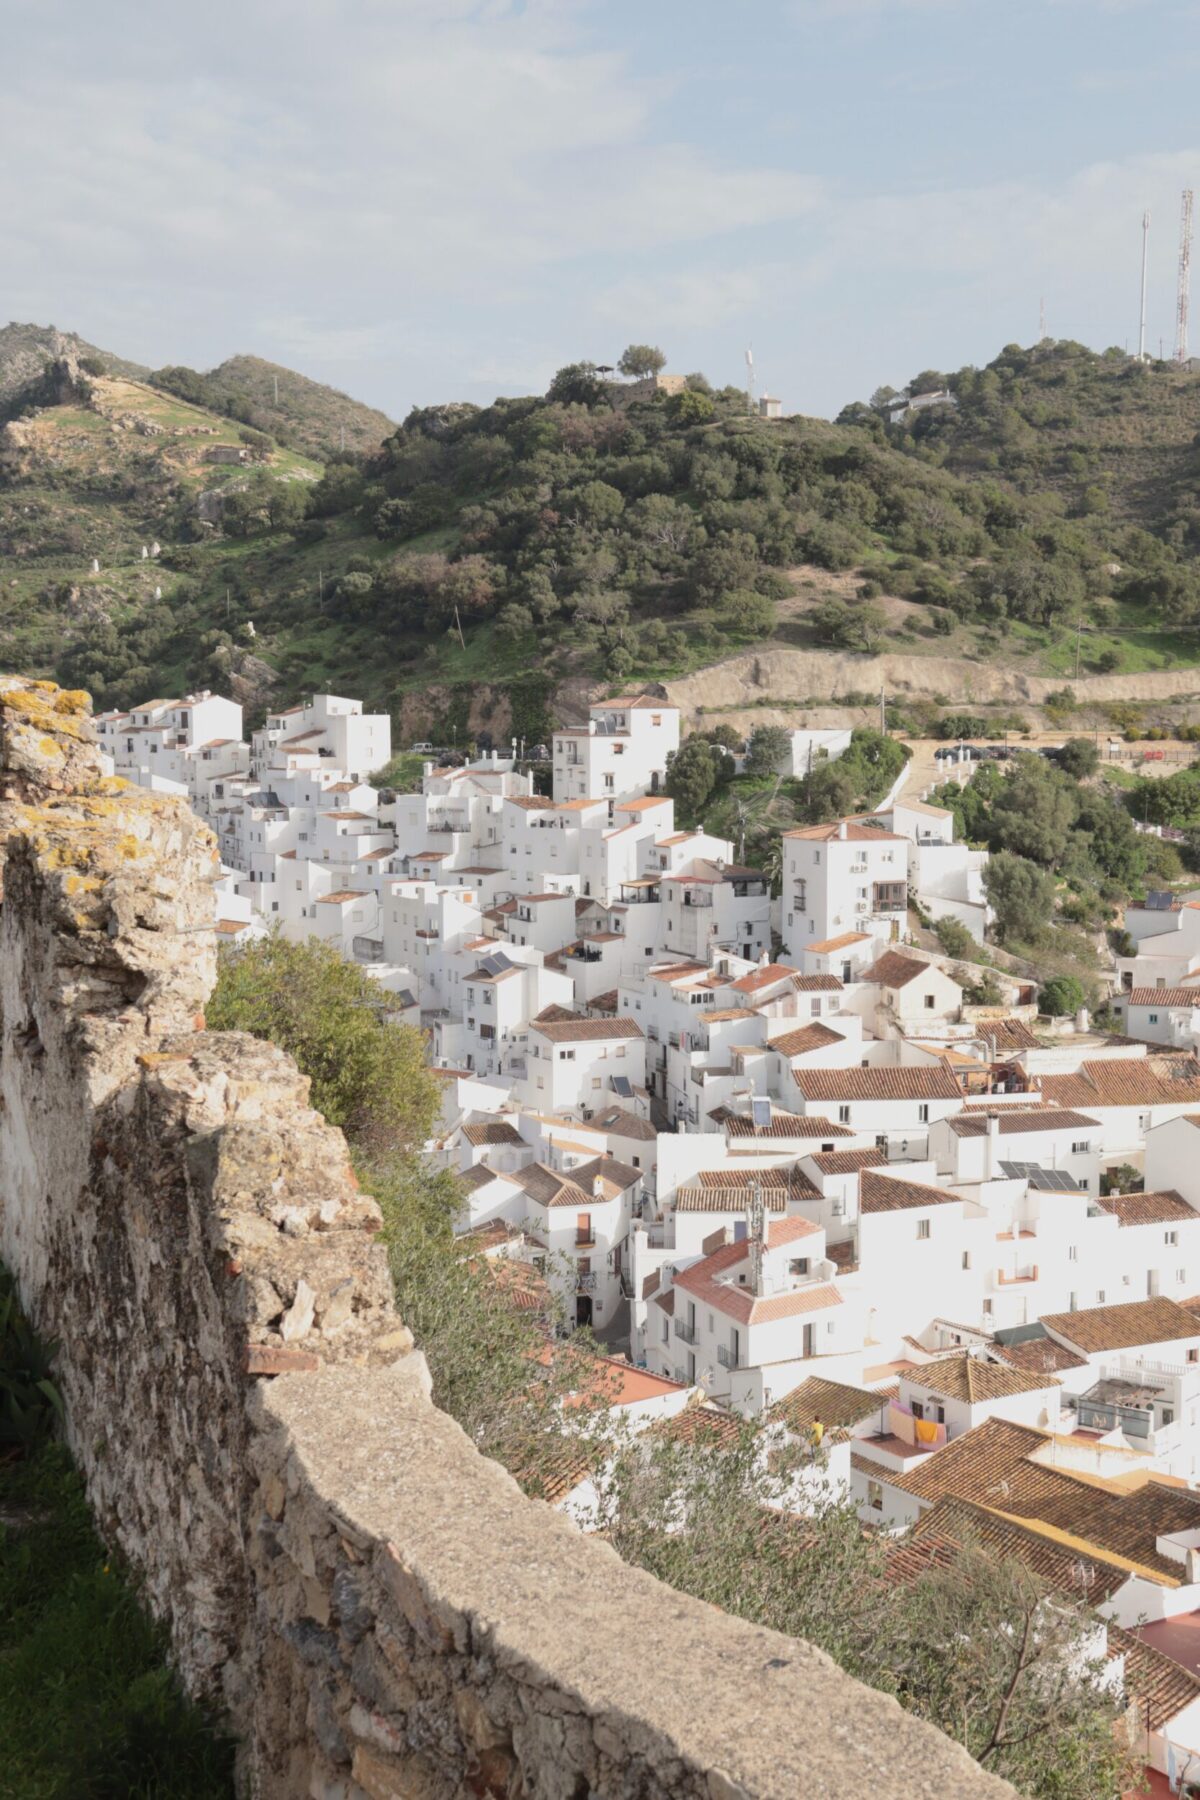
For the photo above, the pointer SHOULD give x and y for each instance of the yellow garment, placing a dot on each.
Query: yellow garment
(927, 1431)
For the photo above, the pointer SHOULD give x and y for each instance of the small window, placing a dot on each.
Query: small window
(966, 1259)
(1154, 1018)
(1072, 1252)
(875, 1495)
(987, 1309)
(1099, 1296)
(1080, 1148)
(1168, 1415)
(930, 1002)
(843, 1115)
(923, 1113)
(1193, 1356)
(1170, 1237)
(922, 1228)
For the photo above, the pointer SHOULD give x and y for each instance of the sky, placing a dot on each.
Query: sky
(425, 200)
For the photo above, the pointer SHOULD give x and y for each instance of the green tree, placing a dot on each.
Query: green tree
(691, 407)
(368, 1075)
(1079, 758)
(1021, 895)
(692, 775)
(1061, 996)
(769, 749)
(578, 384)
(640, 360)
(1035, 810)
(745, 611)
(827, 793)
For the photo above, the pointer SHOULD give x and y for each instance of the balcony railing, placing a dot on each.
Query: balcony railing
(587, 1242)
(685, 1331)
(728, 1359)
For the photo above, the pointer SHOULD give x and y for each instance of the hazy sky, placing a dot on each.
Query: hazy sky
(421, 200)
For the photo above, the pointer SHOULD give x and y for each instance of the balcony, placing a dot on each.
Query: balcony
(685, 1331)
(890, 896)
(586, 1242)
(728, 1359)
(1004, 1279)
(585, 1284)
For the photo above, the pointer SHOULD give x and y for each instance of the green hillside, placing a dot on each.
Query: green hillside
(305, 414)
(26, 349)
(481, 558)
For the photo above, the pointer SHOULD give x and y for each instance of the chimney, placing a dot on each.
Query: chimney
(842, 829)
(993, 1145)
(597, 1187)
(764, 959)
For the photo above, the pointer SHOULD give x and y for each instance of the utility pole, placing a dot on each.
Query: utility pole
(1185, 277)
(1145, 249)
(275, 379)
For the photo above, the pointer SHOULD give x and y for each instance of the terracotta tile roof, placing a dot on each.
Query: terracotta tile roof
(529, 802)
(838, 943)
(848, 1162)
(783, 1125)
(1127, 1081)
(614, 1176)
(769, 976)
(832, 1402)
(961, 1522)
(1159, 1686)
(1165, 1208)
(701, 1282)
(894, 970)
(549, 1188)
(1154, 1321)
(702, 1425)
(817, 984)
(342, 895)
(620, 1123)
(970, 1378)
(805, 1039)
(559, 1464)
(549, 1014)
(886, 1193)
(479, 1175)
(570, 1031)
(1011, 1124)
(725, 1014)
(677, 971)
(1039, 1355)
(1008, 1034)
(492, 1131)
(854, 834)
(992, 1465)
(878, 1084)
(1164, 996)
(231, 927)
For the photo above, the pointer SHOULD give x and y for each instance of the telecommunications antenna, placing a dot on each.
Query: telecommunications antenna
(1185, 277)
(750, 379)
(1142, 319)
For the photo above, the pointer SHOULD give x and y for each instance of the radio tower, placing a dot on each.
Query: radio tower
(1142, 316)
(1042, 322)
(1185, 277)
(750, 379)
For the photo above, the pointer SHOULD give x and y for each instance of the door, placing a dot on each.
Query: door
(810, 1340)
(583, 1309)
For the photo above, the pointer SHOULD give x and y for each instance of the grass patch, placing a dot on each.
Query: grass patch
(89, 1708)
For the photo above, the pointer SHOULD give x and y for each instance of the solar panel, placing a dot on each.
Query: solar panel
(622, 1087)
(1048, 1181)
(760, 1111)
(495, 965)
(1158, 901)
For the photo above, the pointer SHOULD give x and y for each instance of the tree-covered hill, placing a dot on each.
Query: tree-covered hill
(305, 414)
(586, 536)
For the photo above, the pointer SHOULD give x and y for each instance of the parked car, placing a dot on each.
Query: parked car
(421, 750)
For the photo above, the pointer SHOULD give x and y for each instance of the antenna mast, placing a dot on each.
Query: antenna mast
(1185, 277)
(1042, 321)
(1142, 316)
(750, 379)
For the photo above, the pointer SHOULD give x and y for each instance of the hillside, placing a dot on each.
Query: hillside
(26, 349)
(486, 566)
(310, 416)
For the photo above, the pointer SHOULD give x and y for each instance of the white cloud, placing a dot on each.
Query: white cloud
(696, 300)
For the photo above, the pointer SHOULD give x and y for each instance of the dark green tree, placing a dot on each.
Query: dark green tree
(640, 360)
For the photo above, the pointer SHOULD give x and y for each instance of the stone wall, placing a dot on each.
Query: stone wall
(378, 1609)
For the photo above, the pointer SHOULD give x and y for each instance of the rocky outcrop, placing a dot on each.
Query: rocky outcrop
(377, 1608)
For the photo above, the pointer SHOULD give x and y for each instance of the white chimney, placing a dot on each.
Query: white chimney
(842, 829)
(597, 1187)
(993, 1146)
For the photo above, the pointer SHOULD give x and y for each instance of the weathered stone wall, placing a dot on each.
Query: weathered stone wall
(377, 1608)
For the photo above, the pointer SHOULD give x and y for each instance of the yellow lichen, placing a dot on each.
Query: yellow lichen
(51, 747)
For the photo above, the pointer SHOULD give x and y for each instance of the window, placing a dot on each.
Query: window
(814, 1008)
(1080, 1147)
(1072, 1252)
(966, 1259)
(1099, 1296)
(798, 1265)
(987, 1309)
(922, 1228)
(1193, 1356)
(843, 1115)
(1168, 1415)
(1181, 1276)
(816, 858)
(930, 1002)
(923, 1113)
(1154, 1018)
(875, 1495)
(1170, 1237)
(595, 1081)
